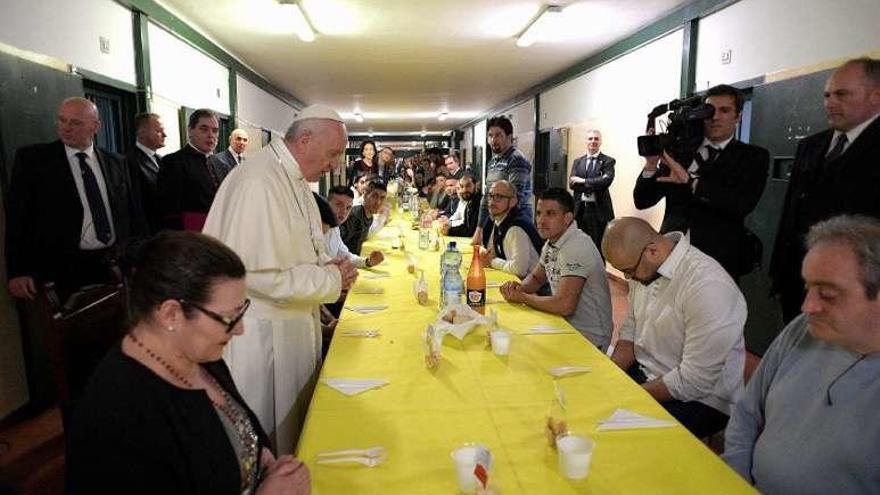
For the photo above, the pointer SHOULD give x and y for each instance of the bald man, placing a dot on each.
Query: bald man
(511, 240)
(232, 156)
(682, 338)
(70, 204)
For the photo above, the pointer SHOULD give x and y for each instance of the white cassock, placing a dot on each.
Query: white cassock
(266, 213)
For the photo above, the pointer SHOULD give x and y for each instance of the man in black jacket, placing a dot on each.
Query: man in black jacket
(836, 171)
(591, 176)
(467, 193)
(710, 198)
(143, 161)
(188, 181)
(70, 203)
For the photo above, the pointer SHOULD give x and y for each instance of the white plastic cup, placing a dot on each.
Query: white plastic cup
(575, 453)
(465, 461)
(500, 342)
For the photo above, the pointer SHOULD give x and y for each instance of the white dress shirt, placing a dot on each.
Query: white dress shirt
(149, 152)
(521, 255)
(337, 248)
(457, 217)
(687, 328)
(852, 134)
(88, 239)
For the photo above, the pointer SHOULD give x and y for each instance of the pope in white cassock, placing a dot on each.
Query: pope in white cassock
(266, 213)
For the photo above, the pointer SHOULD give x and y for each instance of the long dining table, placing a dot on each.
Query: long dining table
(476, 397)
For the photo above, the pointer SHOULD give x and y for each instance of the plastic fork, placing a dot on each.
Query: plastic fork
(366, 461)
(376, 451)
(360, 333)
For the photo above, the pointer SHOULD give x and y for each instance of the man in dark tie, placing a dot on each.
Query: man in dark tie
(187, 180)
(70, 203)
(233, 156)
(836, 171)
(710, 197)
(591, 176)
(143, 161)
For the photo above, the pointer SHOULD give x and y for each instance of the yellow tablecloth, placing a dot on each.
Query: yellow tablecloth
(475, 396)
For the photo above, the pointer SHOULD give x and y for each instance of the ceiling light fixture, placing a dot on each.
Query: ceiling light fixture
(358, 117)
(543, 23)
(443, 116)
(303, 27)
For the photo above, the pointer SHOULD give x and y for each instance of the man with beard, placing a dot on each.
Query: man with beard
(463, 222)
(807, 423)
(507, 163)
(683, 334)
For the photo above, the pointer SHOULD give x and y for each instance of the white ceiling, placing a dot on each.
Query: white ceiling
(401, 62)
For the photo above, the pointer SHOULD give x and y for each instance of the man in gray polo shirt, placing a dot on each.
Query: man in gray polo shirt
(570, 262)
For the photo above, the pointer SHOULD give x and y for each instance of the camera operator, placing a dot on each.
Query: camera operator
(710, 197)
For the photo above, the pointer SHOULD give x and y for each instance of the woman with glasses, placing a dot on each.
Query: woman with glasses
(161, 413)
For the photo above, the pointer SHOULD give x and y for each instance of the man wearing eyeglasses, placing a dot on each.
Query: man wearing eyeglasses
(683, 334)
(807, 423)
(512, 243)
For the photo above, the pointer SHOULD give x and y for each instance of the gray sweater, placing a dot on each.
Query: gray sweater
(809, 422)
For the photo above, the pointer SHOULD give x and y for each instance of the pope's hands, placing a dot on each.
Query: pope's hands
(347, 271)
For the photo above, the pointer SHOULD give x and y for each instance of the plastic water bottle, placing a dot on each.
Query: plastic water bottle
(453, 287)
(425, 232)
(450, 263)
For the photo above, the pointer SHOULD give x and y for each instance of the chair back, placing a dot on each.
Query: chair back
(81, 331)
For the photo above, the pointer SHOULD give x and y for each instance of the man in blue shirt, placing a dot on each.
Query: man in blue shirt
(807, 423)
(507, 163)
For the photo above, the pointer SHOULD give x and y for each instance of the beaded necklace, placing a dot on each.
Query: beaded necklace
(236, 415)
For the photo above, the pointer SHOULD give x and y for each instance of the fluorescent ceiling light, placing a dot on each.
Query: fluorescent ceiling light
(543, 25)
(300, 22)
(409, 115)
(335, 17)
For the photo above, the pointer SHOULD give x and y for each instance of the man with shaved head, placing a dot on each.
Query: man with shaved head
(266, 212)
(683, 334)
(70, 204)
(511, 240)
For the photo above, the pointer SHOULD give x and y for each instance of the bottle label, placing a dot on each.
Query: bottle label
(476, 297)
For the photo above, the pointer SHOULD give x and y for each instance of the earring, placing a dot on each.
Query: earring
(170, 328)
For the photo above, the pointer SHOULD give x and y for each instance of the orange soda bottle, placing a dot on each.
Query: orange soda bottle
(475, 288)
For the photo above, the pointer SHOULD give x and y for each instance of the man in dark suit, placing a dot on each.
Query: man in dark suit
(143, 161)
(70, 203)
(712, 196)
(187, 180)
(836, 171)
(231, 157)
(591, 176)
(472, 198)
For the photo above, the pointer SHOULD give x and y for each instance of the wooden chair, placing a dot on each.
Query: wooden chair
(80, 332)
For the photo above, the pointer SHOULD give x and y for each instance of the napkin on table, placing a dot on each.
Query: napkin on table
(354, 386)
(623, 419)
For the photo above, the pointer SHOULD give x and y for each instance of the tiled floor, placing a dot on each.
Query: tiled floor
(32, 452)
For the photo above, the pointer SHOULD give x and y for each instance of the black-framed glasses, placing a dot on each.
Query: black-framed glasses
(498, 197)
(230, 322)
(631, 271)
